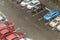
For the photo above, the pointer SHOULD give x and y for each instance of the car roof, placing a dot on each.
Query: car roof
(53, 12)
(11, 36)
(4, 31)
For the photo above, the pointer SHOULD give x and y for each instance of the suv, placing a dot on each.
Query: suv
(51, 15)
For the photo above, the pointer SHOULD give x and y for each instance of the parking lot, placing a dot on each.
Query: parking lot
(33, 25)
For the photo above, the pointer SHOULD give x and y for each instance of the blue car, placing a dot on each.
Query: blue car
(51, 15)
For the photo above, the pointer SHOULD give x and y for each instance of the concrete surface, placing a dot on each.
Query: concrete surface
(35, 27)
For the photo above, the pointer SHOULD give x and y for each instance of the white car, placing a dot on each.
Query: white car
(55, 22)
(25, 2)
(58, 27)
(2, 17)
(33, 4)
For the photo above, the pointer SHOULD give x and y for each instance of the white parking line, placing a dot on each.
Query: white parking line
(53, 29)
(40, 18)
(47, 23)
(17, 29)
(47, 9)
(35, 14)
(38, 13)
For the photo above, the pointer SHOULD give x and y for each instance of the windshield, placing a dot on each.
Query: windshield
(55, 21)
(49, 14)
(32, 4)
(17, 35)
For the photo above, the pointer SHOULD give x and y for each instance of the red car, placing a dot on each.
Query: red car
(9, 25)
(6, 28)
(5, 32)
(14, 36)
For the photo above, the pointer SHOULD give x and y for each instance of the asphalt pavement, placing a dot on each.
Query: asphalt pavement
(50, 4)
(35, 27)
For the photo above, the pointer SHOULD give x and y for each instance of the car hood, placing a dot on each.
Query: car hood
(46, 17)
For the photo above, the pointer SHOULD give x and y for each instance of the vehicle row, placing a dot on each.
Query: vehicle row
(53, 17)
(35, 6)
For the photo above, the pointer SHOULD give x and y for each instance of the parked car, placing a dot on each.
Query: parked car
(3, 17)
(33, 4)
(51, 15)
(4, 32)
(55, 22)
(9, 25)
(25, 2)
(14, 36)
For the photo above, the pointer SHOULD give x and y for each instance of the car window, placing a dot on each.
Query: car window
(49, 14)
(53, 14)
(55, 21)
(32, 4)
(3, 19)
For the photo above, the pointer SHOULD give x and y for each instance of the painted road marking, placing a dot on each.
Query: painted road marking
(53, 29)
(40, 18)
(47, 9)
(17, 29)
(38, 13)
(42, 11)
(47, 23)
